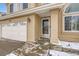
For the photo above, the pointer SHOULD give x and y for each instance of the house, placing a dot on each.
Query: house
(55, 21)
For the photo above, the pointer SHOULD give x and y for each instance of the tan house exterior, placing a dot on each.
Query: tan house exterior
(35, 14)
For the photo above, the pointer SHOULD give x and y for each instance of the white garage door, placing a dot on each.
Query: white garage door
(15, 31)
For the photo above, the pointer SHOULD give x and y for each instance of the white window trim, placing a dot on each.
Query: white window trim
(48, 26)
(64, 26)
(14, 7)
(21, 6)
(68, 14)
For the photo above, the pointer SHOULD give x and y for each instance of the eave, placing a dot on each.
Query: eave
(32, 10)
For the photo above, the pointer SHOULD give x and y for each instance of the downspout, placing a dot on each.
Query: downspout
(28, 21)
(27, 29)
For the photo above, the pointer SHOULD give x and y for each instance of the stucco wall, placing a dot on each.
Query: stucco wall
(66, 36)
(37, 27)
(70, 37)
(33, 28)
(54, 26)
(18, 6)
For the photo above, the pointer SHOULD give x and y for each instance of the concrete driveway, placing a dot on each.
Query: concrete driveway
(7, 46)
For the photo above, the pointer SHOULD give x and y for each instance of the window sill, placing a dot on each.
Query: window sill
(70, 31)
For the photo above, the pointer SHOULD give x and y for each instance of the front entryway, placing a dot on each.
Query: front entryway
(45, 27)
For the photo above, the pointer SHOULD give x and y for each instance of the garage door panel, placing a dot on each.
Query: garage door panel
(15, 32)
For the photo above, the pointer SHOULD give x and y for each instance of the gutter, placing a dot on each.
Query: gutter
(32, 10)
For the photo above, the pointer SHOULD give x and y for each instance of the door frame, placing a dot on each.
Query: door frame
(45, 35)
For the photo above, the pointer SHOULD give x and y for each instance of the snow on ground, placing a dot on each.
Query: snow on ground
(73, 45)
(59, 53)
(11, 54)
(53, 52)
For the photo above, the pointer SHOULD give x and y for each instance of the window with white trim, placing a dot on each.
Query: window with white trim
(25, 5)
(11, 8)
(74, 7)
(72, 23)
(71, 20)
(45, 26)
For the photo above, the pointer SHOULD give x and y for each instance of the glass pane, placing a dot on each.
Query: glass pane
(74, 7)
(11, 8)
(45, 26)
(68, 23)
(77, 23)
(25, 5)
(73, 23)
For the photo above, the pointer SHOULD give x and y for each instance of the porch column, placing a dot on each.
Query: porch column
(54, 26)
(33, 28)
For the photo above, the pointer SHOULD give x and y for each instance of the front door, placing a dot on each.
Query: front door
(46, 27)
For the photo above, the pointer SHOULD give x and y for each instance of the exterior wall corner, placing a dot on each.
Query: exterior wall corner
(54, 27)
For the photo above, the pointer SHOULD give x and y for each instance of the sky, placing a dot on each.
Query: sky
(2, 7)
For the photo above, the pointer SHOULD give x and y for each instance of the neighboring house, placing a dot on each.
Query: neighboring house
(56, 22)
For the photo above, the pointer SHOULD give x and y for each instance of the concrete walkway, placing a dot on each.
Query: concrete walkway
(7, 46)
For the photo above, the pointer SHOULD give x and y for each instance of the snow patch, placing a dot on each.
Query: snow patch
(59, 53)
(11, 54)
(72, 45)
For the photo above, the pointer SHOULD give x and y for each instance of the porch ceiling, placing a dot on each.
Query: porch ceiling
(37, 10)
(44, 14)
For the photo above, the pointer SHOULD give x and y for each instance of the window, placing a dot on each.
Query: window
(11, 8)
(45, 26)
(74, 7)
(71, 21)
(67, 23)
(25, 5)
